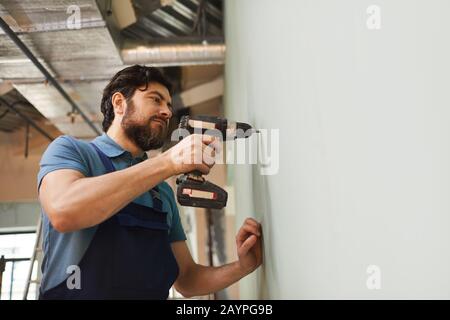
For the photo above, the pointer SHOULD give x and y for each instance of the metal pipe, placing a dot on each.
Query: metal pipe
(26, 118)
(174, 55)
(44, 71)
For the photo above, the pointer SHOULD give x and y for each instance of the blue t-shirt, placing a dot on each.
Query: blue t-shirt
(62, 250)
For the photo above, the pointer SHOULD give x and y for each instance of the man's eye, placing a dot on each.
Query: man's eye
(156, 99)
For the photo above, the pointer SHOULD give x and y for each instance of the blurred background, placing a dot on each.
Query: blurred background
(82, 44)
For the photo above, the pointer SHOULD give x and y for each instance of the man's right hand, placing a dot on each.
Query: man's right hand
(195, 152)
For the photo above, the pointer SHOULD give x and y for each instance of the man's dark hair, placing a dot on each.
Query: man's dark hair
(126, 81)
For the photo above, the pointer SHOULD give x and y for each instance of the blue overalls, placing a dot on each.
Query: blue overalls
(129, 257)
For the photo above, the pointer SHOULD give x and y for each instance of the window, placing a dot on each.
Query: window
(17, 250)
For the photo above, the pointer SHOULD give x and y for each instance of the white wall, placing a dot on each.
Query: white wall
(364, 118)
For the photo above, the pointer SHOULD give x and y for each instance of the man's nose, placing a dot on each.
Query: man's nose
(165, 112)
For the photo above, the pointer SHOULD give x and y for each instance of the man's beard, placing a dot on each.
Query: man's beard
(143, 135)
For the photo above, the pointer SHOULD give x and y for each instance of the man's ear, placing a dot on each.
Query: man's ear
(119, 103)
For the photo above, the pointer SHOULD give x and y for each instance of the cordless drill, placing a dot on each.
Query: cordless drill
(193, 190)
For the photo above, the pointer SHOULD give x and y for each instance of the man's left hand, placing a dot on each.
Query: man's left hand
(249, 248)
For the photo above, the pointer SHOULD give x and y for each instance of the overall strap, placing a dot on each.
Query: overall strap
(156, 196)
(107, 163)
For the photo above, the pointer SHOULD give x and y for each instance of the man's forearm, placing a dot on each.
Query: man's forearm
(90, 201)
(201, 280)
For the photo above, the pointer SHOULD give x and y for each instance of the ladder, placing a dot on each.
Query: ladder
(2, 269)
(37, 249)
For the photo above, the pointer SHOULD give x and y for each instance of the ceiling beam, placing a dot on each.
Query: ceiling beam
(203, 92)
(5, 87)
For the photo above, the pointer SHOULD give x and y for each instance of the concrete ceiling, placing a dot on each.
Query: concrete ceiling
(83, 59)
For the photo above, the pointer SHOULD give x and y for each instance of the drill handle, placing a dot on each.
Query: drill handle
(196, 173)
(193, 175)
